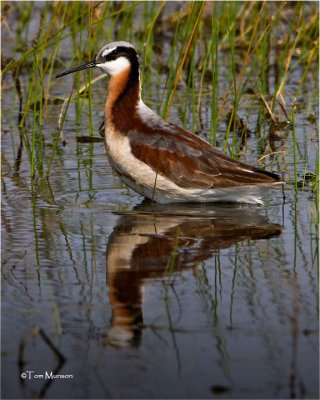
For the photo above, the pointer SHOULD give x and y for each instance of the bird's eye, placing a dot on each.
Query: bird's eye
(110, 55)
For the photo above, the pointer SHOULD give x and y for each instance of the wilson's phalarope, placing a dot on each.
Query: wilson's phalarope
(158, 159)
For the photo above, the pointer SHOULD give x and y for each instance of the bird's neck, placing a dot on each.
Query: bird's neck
(122, 101)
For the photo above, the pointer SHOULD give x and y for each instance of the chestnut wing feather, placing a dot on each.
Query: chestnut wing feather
(190, 162)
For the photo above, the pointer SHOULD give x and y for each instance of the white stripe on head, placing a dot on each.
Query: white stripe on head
(108, 51)
(116, 66)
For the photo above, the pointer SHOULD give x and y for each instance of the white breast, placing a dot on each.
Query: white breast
(135, 173)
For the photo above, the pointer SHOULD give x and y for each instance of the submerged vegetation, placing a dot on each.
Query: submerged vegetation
(262, 43)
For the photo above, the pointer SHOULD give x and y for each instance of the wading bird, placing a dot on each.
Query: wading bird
(158, 159)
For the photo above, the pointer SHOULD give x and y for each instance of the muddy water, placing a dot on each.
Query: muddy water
(123, 298)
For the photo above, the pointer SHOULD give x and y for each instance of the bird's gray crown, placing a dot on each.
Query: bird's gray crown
(107, 49)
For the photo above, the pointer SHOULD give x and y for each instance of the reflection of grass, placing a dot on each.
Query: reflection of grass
(265, 43)
(172, 260)
(208, 294)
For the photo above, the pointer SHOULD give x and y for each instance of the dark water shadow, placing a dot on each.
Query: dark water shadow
(153, 241)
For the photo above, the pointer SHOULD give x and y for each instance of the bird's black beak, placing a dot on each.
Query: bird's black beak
(80, 68)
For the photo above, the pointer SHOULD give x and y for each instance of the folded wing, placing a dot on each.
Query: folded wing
(190, 162)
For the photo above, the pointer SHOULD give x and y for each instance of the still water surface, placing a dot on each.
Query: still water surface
(149, 301)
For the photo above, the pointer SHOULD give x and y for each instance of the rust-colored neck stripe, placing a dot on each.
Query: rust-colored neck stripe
(122, 101)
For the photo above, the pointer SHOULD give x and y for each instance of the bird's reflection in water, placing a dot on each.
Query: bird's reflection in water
(153, 237)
